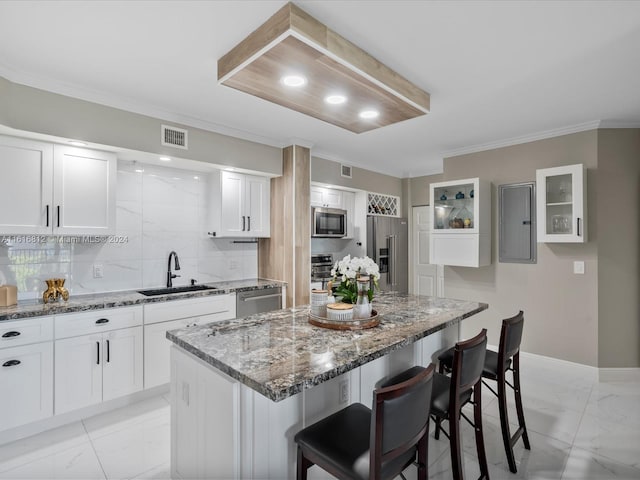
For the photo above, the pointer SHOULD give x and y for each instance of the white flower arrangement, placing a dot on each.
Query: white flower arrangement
(348, 270)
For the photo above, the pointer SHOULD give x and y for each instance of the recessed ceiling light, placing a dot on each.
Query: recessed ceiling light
(368, 114)
(335, 99)
(139, 170)
(293, 80)
(77, 143)
(165, 159)
(196, 178)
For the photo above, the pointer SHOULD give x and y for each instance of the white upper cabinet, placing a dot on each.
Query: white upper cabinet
(561, 204)
(348, 204)
(55, 189)
(460, 223)
(84, 191)
(240, 205)
(326, 197)
(26, 188)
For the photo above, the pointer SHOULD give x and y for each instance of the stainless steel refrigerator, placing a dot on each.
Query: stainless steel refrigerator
(388, 245)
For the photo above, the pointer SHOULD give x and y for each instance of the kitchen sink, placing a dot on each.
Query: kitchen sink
(167, 291)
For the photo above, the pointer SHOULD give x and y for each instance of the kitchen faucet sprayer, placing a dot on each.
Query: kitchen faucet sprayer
(176, 262)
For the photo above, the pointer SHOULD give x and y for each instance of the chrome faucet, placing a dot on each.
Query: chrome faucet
(171, 276)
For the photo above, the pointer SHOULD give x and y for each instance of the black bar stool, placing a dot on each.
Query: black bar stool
(496, 366)
(357, 443)
(450, 394)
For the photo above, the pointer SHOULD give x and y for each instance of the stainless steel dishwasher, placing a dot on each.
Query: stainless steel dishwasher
(258, 301)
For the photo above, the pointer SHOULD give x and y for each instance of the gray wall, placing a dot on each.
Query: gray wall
(34, 110)
(618, 187)
(561, 309)
(328, 171)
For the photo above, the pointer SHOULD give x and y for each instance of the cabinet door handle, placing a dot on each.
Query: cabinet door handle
(98, 353)
(249, 224)
(578, 226)
(58, 215)
(108, 352)
(243, 218)
(47, 215)
(11, 363)
(11, 334)
(101, 321)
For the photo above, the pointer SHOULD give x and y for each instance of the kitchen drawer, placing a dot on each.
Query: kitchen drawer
(23, 332)
(97, 321)
(221, 306)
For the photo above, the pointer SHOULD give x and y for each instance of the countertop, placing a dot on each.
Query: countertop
(279, 354)
(97, 301)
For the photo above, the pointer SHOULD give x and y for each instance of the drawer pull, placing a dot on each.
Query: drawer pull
(11, 334)
(11, 363)
(101, 321)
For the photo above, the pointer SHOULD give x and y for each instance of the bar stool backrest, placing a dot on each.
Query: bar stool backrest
(511, 336)
(468, 362)
(400, 417)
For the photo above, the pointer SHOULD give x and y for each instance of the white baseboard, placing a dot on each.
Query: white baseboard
(584, 371)
(594, 373)
(619, 375)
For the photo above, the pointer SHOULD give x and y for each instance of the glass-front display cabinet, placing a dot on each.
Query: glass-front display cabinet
(561, 205)
(461, 223)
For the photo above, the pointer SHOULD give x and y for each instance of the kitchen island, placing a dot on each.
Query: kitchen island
(241, 389)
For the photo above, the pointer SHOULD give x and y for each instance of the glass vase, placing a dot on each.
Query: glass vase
(362, 309)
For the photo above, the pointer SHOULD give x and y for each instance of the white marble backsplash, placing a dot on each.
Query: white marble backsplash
(158, 210)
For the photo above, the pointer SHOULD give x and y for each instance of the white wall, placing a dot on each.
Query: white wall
(158, 210)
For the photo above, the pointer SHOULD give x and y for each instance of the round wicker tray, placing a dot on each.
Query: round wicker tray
(359, 324)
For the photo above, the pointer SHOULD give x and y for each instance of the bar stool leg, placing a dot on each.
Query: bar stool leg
(436, 434)
(423, 466)
(302, 466)
(504, 421)
(454, 444)
(477, 420)
(518, 395)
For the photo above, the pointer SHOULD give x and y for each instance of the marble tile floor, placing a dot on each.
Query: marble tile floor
(579, 429)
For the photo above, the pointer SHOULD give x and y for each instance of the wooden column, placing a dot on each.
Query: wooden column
(286, 256)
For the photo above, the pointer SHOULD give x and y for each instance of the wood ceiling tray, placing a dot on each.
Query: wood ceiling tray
(292, 41)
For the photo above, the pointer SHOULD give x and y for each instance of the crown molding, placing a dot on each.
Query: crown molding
(532, 137)
(122, 103)
(619, 124)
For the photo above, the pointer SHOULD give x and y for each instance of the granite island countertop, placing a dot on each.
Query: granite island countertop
(98, 301)
(279, 354)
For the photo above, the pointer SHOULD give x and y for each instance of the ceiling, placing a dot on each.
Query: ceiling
(498, 72)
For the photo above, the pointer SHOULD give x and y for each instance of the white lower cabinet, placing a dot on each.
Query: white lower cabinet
(98, 356)
(156, 350)
(95, 368)
(26, 380)
(159, 318)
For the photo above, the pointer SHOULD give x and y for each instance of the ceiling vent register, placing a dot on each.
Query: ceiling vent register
(174, 137)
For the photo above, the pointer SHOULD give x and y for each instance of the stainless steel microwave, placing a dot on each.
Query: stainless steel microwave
(328, 222)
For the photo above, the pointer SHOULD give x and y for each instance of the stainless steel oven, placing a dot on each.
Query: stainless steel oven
(328, 222)
(321, 265)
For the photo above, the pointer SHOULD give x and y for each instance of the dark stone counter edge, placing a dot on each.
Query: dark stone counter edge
(306, 383)
(123, 299)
